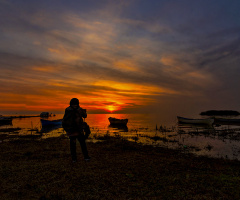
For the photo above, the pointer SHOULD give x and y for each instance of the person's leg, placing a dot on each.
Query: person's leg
(73, 148)
(81, 139)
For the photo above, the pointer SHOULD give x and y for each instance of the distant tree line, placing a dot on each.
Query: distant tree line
(220, 112)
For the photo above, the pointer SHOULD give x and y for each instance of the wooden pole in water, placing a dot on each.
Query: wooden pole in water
(32, 127)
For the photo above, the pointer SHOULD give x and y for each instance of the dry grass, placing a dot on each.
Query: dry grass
(119, 169)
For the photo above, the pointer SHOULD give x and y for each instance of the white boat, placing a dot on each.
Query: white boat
(206, 121)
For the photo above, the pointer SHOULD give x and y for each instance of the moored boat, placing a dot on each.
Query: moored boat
(5, 120)
(206, 121)
(117, 122)
(51, 122)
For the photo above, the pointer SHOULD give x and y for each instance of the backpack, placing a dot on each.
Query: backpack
(86, 129)
(68, 123)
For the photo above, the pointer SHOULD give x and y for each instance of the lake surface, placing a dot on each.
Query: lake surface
(221, 142)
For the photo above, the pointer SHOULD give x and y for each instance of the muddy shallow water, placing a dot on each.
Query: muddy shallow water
(221, 142)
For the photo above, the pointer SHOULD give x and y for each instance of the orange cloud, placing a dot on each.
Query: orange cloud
(126, 65)
(132, 88)
(61, 53)
(44, 68)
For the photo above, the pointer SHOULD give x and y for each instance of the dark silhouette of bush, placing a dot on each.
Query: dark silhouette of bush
(220, 112)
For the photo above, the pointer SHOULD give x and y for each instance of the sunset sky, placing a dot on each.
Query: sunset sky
(130, 56)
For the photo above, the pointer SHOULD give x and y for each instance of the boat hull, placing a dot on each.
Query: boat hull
(51, 122)
(118, 122)
(5, 120)
(207, 121)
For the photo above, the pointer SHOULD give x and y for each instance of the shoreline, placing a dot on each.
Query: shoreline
(119, 169)
(23, 116)
(173, 140)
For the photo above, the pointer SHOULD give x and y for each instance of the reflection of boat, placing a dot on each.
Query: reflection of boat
(47, 129)
(51, 122)
(118, 122)
(121, 128)
(224, 121)
(5, 120)
(207, 121)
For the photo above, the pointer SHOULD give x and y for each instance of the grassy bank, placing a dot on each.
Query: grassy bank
(32, 169)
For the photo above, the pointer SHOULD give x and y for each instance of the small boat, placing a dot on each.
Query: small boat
(225, 121)
(207, 121)
(51, 122)
(118, 122)
(5, 120)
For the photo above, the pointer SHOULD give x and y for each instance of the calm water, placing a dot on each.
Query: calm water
(142, 129)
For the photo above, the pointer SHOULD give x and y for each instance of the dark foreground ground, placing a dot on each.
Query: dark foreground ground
(32, 169)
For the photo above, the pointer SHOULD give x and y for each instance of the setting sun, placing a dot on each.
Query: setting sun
(112, 108)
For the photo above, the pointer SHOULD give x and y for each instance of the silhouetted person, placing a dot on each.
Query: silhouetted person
(75, 127)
